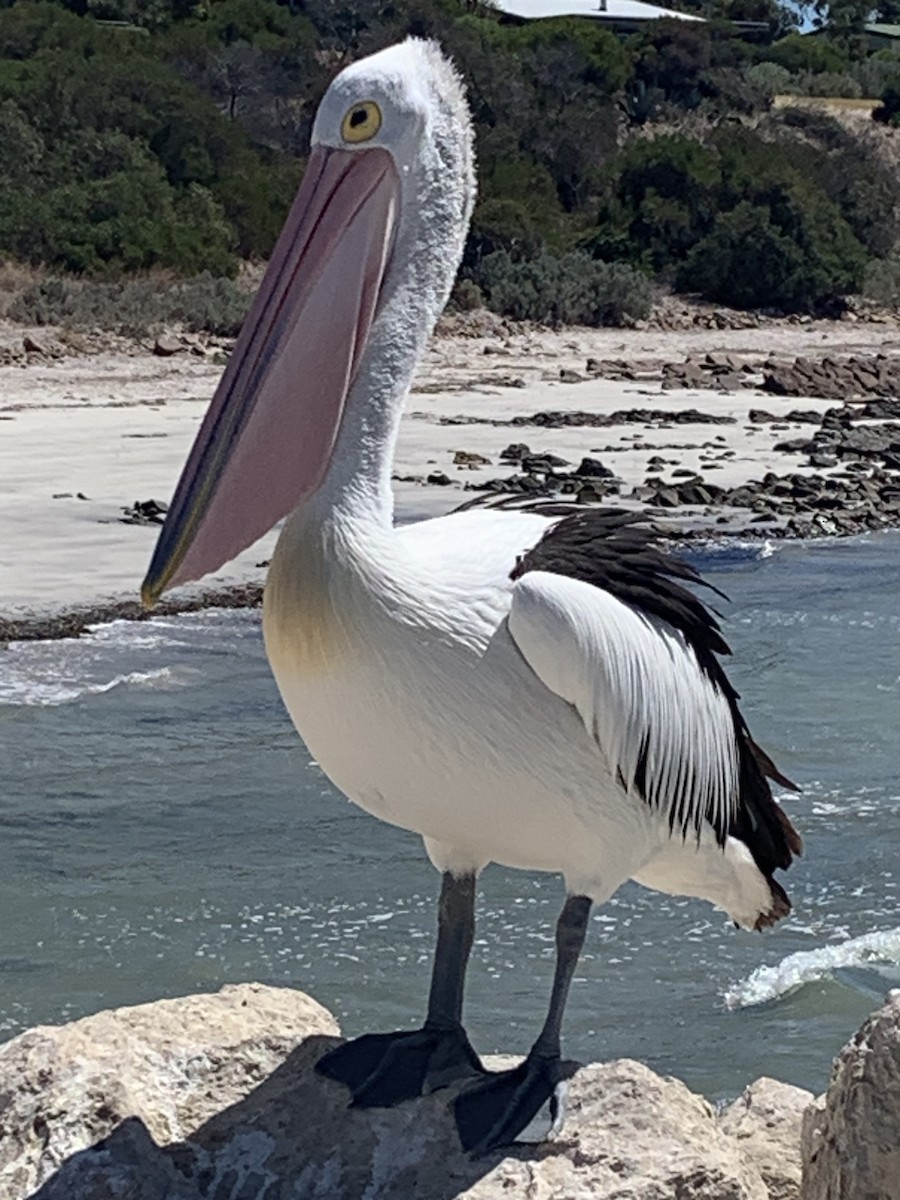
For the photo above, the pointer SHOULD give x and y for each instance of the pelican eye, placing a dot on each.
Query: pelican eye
(361, 122)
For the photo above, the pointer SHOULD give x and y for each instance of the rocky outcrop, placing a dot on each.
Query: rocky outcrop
(834, 378)
(215, 1097)
(168, 1066)
(851, 1138)
(766, 1122)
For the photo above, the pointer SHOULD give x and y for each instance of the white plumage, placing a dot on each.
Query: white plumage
(539, 694)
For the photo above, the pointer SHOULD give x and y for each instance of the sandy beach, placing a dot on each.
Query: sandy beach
(85, 436)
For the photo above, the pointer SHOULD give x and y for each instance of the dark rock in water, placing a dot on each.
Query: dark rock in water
(822, 460)
(439, 479)
(567, 376)
(466, 458)
(593, 468)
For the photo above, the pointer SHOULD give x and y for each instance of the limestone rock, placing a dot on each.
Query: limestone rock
(174, 1064)
(851, 1139)
(166, 345)
(766, 1121)
(215, 1097)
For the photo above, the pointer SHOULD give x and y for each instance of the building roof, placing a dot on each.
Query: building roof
(891, 31)
(611, 10)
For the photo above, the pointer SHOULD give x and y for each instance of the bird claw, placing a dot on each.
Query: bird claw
(384, 1069)
(494, 1112)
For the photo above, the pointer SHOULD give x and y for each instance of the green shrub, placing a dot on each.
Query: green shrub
(796, 253)
(501, 225)
(888, 111)
(772, 79)
(135, 307)
(800, 52)
(829, 83)
(881, 282)
(572, 289)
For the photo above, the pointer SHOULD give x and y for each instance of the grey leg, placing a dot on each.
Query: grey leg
(383, 1069)
(456, 932)
(493, 1112)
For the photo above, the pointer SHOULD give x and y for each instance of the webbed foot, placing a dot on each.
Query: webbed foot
(384, 1069)
(493, 1112)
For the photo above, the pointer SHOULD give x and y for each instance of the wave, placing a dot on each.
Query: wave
(809, 966)
(49, 693)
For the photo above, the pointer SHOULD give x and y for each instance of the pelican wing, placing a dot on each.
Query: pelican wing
(663, 725)
(603, 618)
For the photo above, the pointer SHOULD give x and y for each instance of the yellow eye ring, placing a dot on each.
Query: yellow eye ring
(361, 122)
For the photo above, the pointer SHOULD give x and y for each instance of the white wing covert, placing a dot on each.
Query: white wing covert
(663, 724)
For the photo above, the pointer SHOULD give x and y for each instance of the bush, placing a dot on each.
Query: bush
(800, 52)
(796, 253)
(881, 282)
(771, 78)
(135, 307)
(572, 289)
(876, 73)
(829, 83)
(888, 112)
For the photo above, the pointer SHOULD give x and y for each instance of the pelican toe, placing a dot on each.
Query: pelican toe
(494, 1112)
(384, 1069)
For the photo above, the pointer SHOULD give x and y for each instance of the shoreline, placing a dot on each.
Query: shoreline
(770, 431)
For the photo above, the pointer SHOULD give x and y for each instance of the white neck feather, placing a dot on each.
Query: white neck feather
(438, 195)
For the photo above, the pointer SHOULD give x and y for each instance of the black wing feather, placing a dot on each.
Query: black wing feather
(620, 552)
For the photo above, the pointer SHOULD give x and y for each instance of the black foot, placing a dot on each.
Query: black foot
(494, 1112)
(384, 1069)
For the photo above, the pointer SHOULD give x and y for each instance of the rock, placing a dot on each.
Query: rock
(165, 346)
(766, 1121)
(467, 458)
(515, 452)
(568, 376)
(439, 479)
(144, 512)
(215, 1097)
(31, 345)
(593, 468)
(173, 1065)
(851, 1139)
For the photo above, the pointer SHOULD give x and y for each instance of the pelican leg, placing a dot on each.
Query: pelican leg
(494, 1111)
(384, 1069)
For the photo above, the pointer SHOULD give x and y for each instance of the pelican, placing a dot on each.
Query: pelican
(538, 690)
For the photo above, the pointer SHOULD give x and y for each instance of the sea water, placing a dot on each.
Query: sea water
(163, 830)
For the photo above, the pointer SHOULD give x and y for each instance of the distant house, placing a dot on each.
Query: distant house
(883, 37)
(620, 16)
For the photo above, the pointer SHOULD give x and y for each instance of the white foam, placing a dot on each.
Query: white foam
(807, 966)
(31, 691)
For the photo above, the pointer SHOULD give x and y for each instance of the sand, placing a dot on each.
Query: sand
(83, 437)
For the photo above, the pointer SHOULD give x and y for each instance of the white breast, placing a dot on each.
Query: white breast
(412, 697)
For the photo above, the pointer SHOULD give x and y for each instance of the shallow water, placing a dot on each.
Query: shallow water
(164, 830)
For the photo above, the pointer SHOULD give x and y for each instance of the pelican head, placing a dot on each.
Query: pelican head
(378, 224)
